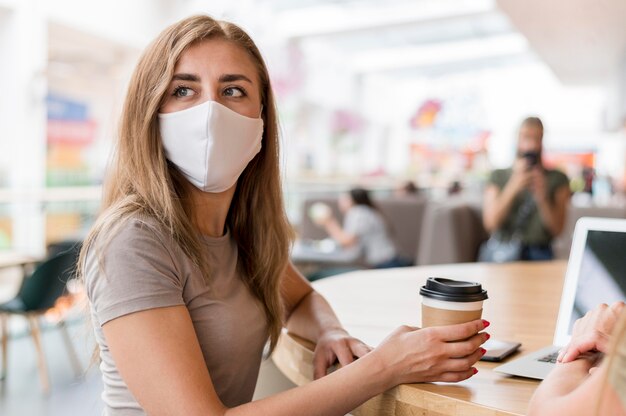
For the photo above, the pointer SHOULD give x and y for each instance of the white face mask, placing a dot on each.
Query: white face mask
(210, 144)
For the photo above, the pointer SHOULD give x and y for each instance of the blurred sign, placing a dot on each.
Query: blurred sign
(71, 132)
(61, 108)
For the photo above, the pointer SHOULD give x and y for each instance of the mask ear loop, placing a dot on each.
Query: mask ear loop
(261, 112)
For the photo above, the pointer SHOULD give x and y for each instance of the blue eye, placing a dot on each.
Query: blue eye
(182, 92)
(235, 92)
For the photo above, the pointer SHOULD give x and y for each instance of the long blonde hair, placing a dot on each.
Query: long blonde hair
(141, 182)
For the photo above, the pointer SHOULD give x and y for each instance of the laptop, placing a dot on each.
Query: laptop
(596, 273)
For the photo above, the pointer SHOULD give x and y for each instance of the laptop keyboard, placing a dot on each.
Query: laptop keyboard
(550, 358)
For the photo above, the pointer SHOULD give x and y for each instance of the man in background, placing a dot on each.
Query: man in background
(525, 206)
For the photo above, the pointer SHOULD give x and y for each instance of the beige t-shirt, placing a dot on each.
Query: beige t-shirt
(143, 268)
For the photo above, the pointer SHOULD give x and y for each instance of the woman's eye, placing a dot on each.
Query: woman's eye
(182, 92)
(234, 92)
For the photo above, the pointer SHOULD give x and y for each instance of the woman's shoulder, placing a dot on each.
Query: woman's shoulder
(359, 210)
(128, 240)
(364, 213)
(131, 266)
(557, 177)
(132, 229)
(500, 177)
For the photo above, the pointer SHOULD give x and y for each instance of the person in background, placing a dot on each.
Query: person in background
(527, 203)
(455, 188)
(585, 382)
(364, 225)
(407, 189)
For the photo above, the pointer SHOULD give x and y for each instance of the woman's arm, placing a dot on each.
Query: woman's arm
(311, 317)
(552, 213)
(159, 358)
(498, 202)
(570, 390)
(337, 233)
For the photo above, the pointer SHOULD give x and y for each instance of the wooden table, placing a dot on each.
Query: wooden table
(523, 306)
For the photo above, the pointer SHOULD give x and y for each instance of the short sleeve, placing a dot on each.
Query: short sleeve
(356, 222)
(132, 272)
(560, 179)
(498, 178)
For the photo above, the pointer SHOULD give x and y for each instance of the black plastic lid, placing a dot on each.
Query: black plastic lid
(453, 290)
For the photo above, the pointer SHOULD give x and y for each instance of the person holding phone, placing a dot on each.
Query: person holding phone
(187, 267)
(525, 206)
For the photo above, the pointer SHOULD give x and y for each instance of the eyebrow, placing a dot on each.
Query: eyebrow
(223, 78)
(234, 77)
(186, 77)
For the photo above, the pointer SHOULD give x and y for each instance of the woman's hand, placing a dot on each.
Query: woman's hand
(592, 332)
(446, 353)
(521, 176)
(333, 345)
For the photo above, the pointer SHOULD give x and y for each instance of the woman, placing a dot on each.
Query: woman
(583, 382)
(363, 226)
(187, 269)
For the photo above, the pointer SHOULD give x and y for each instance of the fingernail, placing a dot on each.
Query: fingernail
(486, 323)
(488, 336)
(483, 351)
(475, 370)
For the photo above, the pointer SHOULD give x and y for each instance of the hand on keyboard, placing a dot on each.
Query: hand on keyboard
(592, 332)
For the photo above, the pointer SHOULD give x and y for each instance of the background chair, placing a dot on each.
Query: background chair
(404, 216)
(38, 293)
(452, 233)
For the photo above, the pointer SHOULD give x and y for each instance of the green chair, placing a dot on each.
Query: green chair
(38, 293)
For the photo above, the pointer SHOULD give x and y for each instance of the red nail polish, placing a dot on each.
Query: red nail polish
(488, 336)
(475, 370)
(486, 323)
(483, 351)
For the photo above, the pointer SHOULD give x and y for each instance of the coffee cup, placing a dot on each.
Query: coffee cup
(449, 302)
(319, 212)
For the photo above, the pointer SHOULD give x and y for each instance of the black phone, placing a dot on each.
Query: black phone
(499, 350)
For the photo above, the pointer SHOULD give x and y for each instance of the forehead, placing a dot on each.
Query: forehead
(214, 57)
(529, 130)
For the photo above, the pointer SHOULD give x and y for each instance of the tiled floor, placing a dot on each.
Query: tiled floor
(21, 394)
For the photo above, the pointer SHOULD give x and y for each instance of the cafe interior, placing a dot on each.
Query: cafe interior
(413, 102)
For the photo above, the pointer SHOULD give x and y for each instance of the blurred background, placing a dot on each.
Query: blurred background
(370, 93)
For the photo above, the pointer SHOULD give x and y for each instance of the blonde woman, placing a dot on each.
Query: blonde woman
(584, 382)
(187, 268)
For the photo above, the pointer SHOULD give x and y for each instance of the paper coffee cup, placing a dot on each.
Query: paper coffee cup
(449, 302)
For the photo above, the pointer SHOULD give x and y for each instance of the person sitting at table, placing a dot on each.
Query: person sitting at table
(524, 206)
(186, 268)
(585, 383)
(407, 189)
(364, 226)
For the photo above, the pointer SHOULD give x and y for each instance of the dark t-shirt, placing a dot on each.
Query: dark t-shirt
(531, 230)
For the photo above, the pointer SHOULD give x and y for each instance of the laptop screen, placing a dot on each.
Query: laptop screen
(602, 275)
